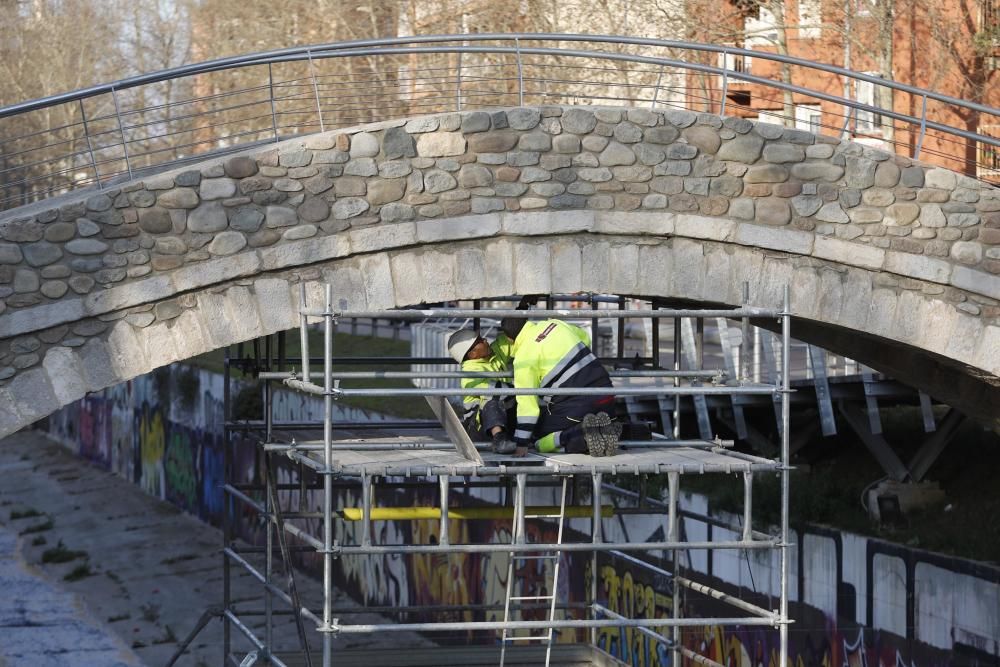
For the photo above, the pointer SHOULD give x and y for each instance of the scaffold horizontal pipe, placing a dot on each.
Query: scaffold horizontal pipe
(466, 513)
(249, 634)
(282, 595)
(381, 549)
(646, 631)
(289, 528)
(368, 446)
(545, 625)
(651, 390)
(699, 658)
(562, 313)
(422, 375)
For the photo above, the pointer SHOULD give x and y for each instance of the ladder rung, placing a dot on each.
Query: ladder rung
(549, 557)
(542, 516)
(530, 638)
(532, 597)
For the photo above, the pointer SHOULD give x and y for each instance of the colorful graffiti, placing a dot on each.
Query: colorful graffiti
(164, 432)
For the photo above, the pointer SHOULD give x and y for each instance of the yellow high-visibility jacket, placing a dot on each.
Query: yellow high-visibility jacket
(551, 353)
(498, 362)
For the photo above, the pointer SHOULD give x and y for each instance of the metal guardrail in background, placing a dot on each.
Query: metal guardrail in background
(117, 131)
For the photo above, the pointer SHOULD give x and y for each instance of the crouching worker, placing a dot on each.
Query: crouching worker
(554, 354)
(485, 418)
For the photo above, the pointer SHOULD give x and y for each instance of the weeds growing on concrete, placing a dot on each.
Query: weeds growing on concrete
(168, 636)
(121, 617)
(38, 528)
(26, 514)
(39, 541)
(60, 554)
(150, 612)
(81, 571)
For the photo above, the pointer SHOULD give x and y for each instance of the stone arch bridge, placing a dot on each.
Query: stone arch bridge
(891, 262)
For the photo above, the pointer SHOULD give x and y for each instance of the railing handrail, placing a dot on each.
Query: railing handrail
(355, 47)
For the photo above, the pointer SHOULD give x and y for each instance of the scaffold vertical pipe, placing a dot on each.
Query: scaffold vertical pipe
(443, 529)
(677, 380)
(595, 537)
(366, 510)
(673, 484)
(328, 466)
(269, 545)
(303, 333)
(748, 506)
(744, 369)
(786, 326)
(227, 467)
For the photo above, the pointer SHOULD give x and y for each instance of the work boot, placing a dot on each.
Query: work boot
(502, 444)
(601, 434)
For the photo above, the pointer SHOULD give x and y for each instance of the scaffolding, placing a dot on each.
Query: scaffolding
(338, 460)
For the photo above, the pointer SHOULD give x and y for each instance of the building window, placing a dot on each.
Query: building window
(760, 30)
(808, 117)
(735, 62)
(988, 159)
(809, 19)
(864, 120)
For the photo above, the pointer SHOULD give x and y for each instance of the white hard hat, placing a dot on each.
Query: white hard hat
(460, 342)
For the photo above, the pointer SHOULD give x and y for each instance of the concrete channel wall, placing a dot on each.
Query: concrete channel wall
(856, 600)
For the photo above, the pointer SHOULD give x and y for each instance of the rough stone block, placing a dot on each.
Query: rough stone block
(460, 228)
(547, 222)
(979, 282)
(441, 144)
(844, 252)
(787, 240)
(375, 238)
(917, 266)
(701, 227)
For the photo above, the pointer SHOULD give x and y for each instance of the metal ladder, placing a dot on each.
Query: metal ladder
(519, 557)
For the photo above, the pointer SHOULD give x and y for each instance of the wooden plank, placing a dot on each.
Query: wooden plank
(453, 427)
(928, 413)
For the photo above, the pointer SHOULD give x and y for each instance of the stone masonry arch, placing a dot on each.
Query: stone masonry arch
(892, 262)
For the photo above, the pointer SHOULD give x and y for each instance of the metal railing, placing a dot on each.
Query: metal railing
(106, 134)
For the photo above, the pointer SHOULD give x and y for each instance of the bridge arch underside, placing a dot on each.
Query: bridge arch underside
(911, 333)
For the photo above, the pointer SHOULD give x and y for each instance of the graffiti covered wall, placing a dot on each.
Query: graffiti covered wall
(857, 601)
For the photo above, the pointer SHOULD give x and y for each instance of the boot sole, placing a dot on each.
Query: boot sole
(601, 434)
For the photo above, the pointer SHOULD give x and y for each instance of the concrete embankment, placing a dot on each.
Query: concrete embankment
(142, 570)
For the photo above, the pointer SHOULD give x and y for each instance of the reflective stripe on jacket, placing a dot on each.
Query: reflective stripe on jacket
(551, 353)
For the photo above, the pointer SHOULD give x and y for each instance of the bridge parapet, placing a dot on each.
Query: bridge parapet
(140, 253)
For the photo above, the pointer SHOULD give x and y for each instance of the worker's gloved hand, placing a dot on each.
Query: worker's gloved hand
(502, 445)
(521, 451)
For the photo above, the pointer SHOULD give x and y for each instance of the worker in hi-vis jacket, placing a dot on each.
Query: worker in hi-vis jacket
(485, 418)
(555, 354)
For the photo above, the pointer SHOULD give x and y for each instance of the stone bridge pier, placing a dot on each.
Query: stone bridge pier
(891, 262)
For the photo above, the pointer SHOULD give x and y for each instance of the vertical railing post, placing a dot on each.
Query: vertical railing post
(121, 130)
(90, 147)
(673, 535)
(745, 347)
(677, 381)
(595, 538)
(274, 114)
(725, 82)
(656, 90)
(923, 129)
(520, 73)
(458, 83)
(319, 108)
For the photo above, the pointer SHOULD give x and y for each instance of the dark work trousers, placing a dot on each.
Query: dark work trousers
(566, 415)
(491, 414)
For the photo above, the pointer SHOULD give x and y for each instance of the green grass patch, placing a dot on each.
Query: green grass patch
(38, 528)
(81, 571)
(60, 554)
(26, 514)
